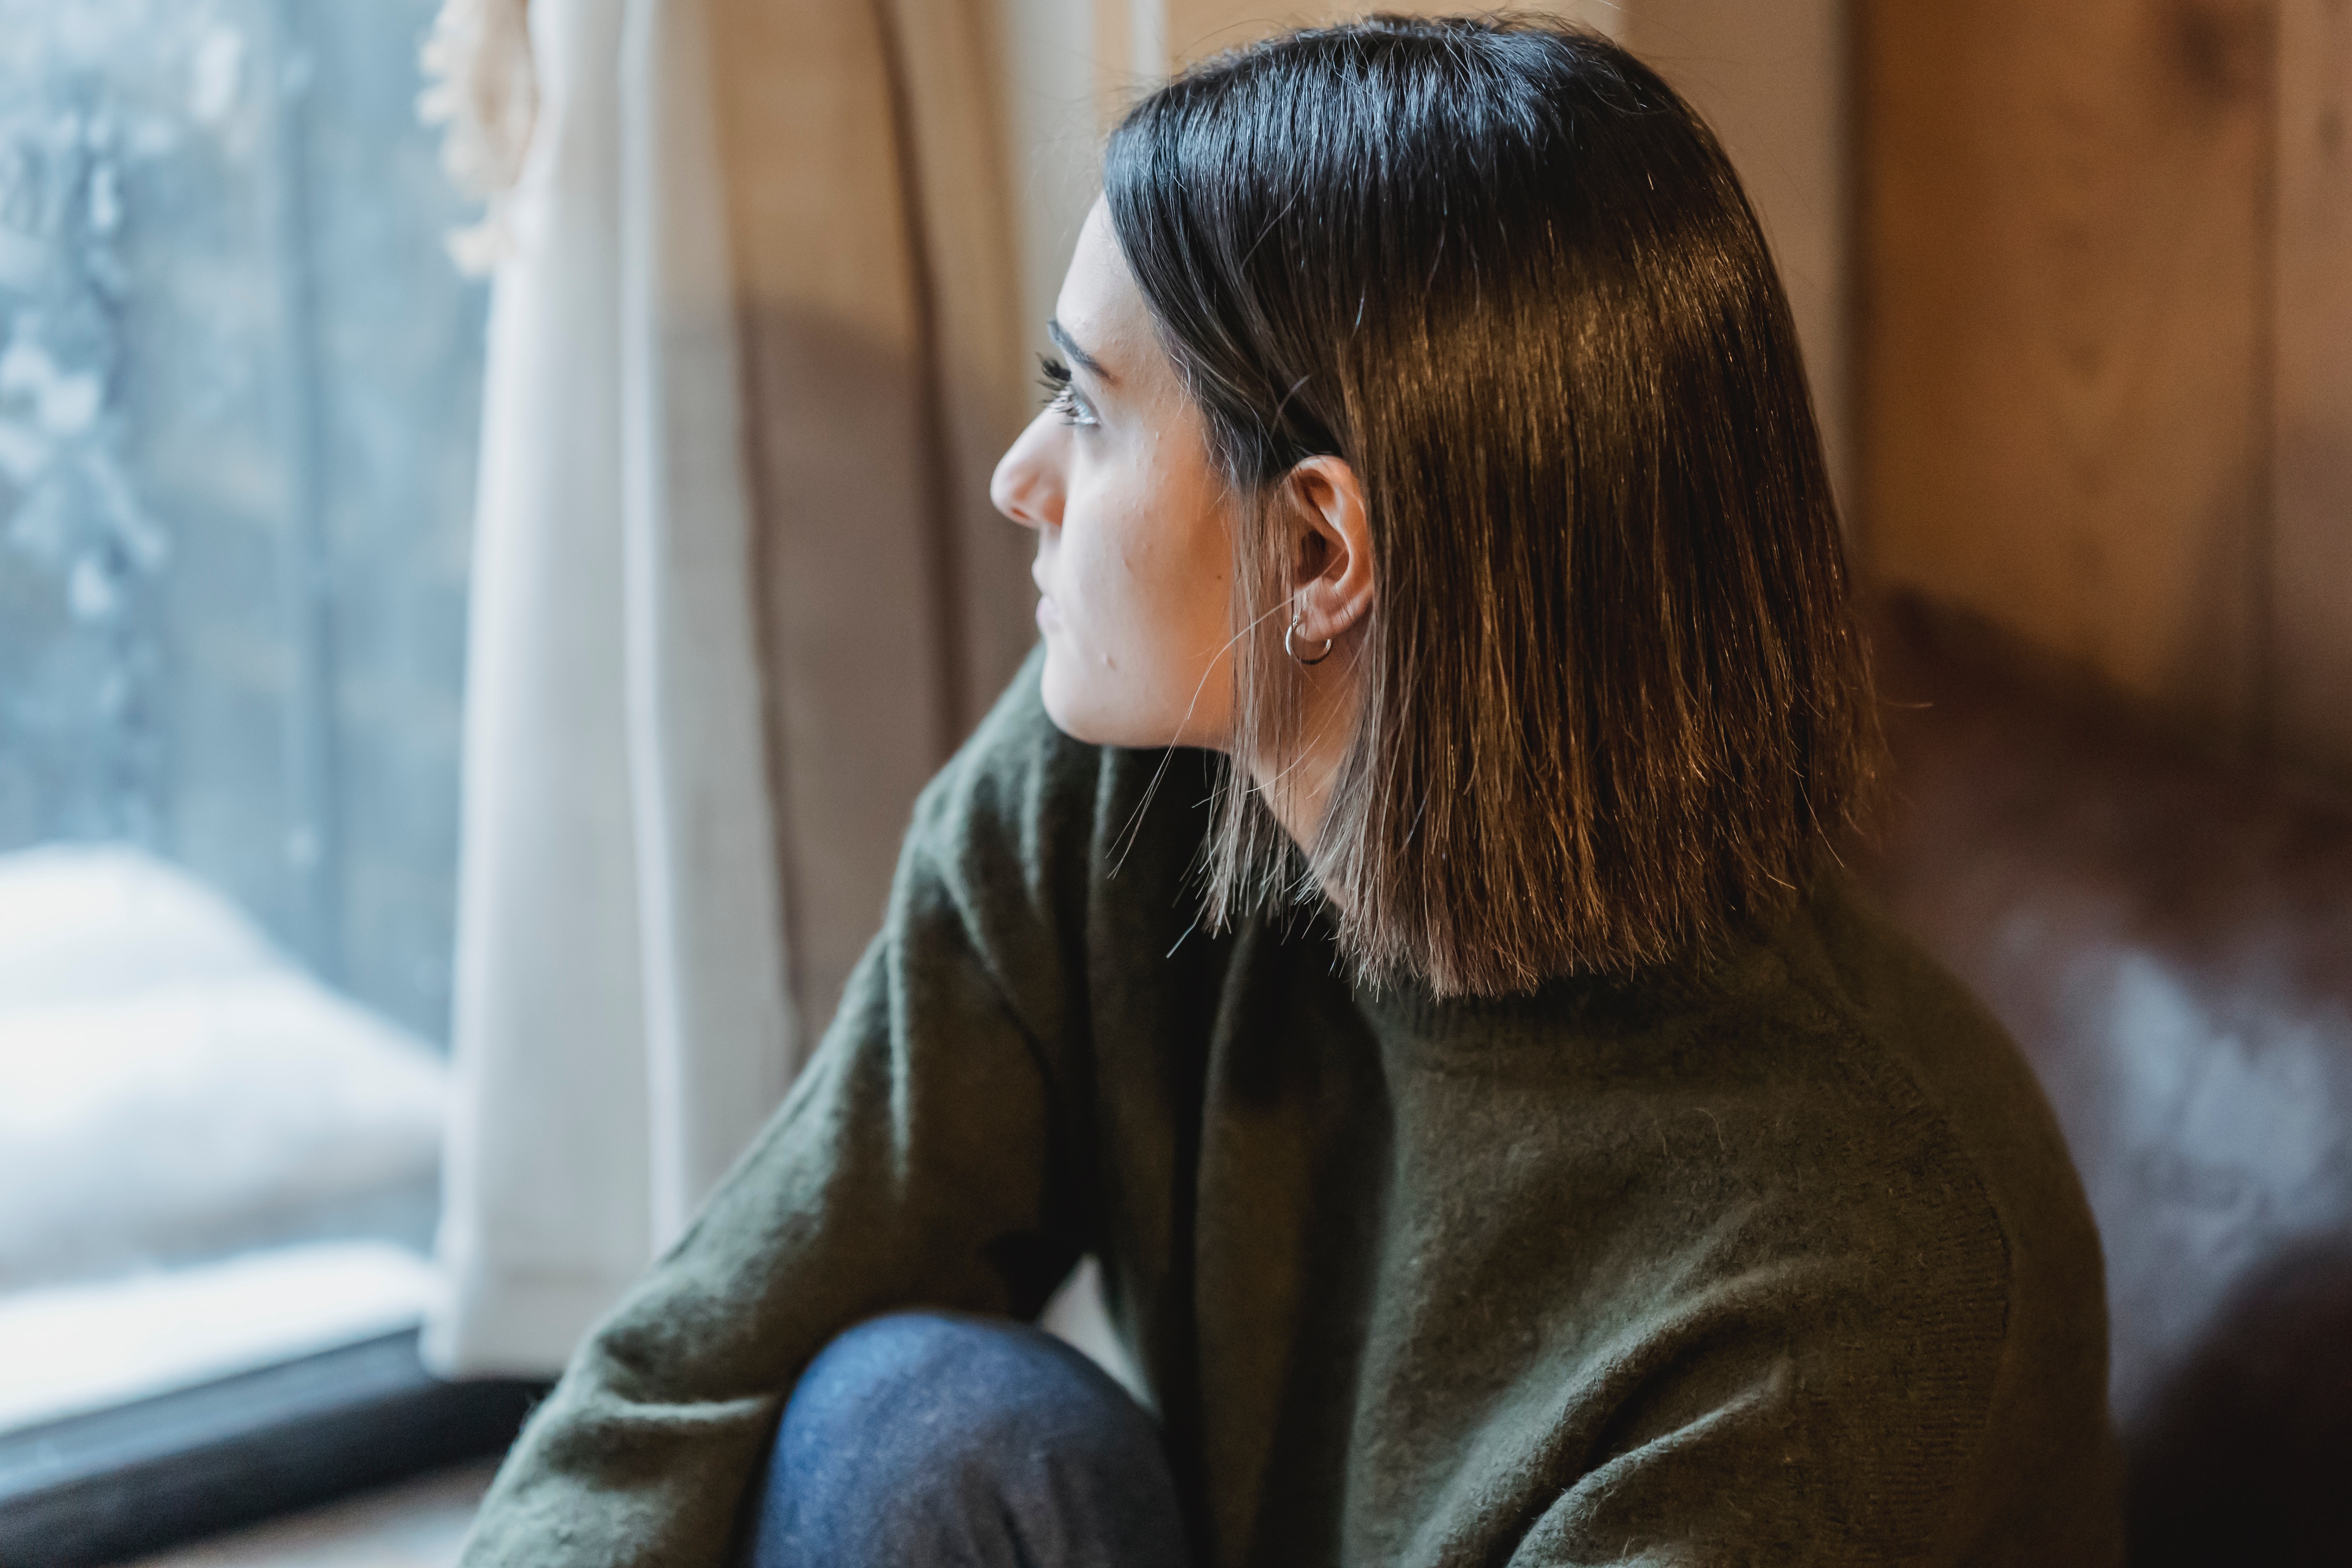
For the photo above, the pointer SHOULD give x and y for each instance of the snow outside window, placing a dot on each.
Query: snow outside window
(238, 387)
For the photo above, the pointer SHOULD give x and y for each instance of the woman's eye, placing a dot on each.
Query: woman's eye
(1063, 396)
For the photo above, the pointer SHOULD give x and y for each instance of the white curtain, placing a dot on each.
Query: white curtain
(621, 1023)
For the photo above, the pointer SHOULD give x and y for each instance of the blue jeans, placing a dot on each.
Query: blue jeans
(934, 1440)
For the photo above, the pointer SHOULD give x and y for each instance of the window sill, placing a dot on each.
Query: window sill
(116, 1483)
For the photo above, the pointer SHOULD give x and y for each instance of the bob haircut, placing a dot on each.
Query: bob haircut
(1615, 704)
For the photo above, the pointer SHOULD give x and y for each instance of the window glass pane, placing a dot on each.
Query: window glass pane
(238, 396)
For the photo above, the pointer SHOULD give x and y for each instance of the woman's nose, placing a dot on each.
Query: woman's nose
(1027, 485)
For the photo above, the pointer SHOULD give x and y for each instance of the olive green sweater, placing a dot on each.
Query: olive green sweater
(1774, 1258)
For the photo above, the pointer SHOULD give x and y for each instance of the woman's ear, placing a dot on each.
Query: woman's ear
(1332, 583)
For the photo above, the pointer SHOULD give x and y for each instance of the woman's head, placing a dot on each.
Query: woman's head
(1457, 343)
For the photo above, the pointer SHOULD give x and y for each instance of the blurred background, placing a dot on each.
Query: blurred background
(480, 590)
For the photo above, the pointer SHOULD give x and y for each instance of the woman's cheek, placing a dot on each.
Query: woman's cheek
(1121, 671)
(1077, 687)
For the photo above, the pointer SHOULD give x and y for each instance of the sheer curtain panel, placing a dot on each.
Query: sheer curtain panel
(621, 1025)
(737, 593)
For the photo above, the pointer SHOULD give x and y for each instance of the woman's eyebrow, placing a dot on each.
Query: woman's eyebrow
(1078, 356)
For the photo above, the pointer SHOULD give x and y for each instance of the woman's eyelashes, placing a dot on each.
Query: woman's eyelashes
(1061, 394)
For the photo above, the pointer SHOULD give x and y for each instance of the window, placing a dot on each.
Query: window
(239, 397)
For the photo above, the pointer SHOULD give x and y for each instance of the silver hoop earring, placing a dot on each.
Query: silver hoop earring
(1291, 649)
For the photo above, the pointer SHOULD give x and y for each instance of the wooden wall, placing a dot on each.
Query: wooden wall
(1193, 28)
(2311, 550)
(2105, 377)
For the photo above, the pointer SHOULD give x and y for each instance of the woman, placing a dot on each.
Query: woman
(1393, 925)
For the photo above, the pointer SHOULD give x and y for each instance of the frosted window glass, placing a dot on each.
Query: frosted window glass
(239, 397)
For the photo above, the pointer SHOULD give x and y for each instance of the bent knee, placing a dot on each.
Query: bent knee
(922, 1427)
(927, 1393)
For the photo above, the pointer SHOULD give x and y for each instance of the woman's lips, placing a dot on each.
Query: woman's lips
(1049, 615)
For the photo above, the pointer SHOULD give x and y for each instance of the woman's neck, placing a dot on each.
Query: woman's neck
(1299, 789)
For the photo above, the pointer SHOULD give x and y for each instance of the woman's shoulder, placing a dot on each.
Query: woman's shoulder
(1915, 1098)
(1830, 1089)
(1916, 1024)
(1963, 1101)
(1822, 1151)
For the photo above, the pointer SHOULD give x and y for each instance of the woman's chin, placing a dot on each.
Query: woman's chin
(1089, 704)
(1086, 705)
(1067, 703)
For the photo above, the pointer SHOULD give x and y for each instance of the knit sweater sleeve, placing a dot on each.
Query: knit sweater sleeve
(916, 1160)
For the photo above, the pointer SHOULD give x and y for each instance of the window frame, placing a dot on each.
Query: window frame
(130, 1478)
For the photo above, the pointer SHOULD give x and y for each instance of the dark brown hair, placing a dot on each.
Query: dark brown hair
(1614, 699)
